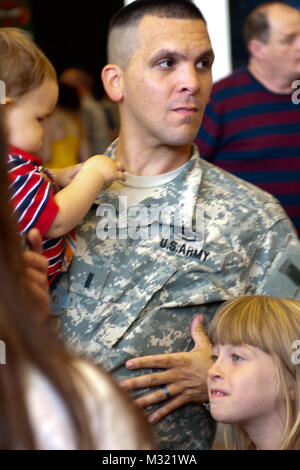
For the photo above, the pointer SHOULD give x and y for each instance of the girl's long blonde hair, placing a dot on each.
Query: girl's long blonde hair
(273, 325)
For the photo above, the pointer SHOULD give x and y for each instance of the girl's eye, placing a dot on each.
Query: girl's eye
(236, 357)
(214, 358)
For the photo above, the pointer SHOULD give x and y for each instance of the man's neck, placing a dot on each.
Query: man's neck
(270, 80)
(142, 160)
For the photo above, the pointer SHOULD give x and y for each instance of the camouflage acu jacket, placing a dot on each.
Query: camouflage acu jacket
(126, 297)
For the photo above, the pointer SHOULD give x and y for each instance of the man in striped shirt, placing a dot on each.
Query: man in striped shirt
(252, 124)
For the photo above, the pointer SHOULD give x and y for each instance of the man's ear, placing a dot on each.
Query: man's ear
(256, 48)
(112, 78)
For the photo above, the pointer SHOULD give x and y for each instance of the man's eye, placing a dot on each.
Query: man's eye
(214, 358)
(166, 64)
(289, 39)
(203, 64)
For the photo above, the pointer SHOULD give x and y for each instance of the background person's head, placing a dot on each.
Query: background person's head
(68, 97)
(270, 326)
(31, 88)
(160, 69)
(272, 36)
(79, 79)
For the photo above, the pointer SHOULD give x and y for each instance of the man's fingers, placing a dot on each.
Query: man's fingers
(198, 331)
(149, 380)
(158, 396)
(160, 361)
(168, 408)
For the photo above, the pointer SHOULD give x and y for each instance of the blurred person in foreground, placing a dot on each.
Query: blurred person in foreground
(49, 399)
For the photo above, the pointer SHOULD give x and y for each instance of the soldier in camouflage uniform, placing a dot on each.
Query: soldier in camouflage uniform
(130, 294)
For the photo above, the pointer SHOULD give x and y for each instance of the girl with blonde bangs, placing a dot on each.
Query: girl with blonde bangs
(254, 383)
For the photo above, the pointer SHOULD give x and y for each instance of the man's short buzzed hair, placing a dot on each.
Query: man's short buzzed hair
(122, 40)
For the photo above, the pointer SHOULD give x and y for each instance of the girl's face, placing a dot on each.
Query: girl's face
(243, 386)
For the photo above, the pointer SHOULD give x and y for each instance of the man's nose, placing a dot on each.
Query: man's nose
(297, 42)
(190, 80)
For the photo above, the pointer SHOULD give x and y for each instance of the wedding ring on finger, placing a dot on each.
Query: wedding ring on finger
(166, 392)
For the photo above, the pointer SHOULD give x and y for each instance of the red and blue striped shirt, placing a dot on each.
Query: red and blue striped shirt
(32, 197)
(255, 134)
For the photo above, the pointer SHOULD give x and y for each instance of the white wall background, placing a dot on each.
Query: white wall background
(216, 13)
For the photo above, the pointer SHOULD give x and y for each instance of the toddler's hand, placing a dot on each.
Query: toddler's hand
(109, 168)
(64, 176)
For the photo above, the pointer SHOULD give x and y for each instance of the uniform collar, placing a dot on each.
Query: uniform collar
(180, 194)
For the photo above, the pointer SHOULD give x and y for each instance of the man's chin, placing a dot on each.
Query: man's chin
(179, 140)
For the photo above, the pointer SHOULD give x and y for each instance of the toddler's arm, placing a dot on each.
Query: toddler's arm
(64, 176)
(75, 199)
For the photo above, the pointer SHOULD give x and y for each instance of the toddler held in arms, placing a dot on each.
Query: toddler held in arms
(254, 383)
(52, 202)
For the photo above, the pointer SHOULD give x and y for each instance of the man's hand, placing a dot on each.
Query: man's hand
(36, 279)
(185, 375)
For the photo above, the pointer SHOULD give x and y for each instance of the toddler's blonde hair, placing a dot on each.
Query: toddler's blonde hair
(23, 66)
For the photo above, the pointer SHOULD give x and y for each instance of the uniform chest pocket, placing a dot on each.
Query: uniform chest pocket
(117, 295)
(204, 276)
(87, 279)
